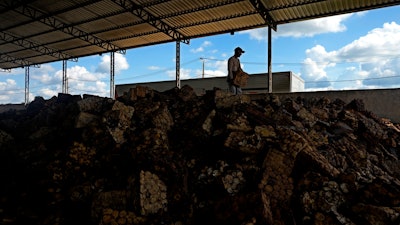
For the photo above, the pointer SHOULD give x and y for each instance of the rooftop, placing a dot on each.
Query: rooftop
(34, 32)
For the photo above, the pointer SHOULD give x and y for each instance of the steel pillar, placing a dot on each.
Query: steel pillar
(202, 74)
(269, 60)
(64, 77)
(112, 75)
(178, 64)
(26, 85)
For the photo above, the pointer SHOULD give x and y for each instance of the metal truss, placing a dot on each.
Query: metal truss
(20, 62)
(156, 22)
(12, 4)
(51, 21)
(264, 13)
(9, 38)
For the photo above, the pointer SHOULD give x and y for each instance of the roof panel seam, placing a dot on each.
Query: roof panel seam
(139, 11)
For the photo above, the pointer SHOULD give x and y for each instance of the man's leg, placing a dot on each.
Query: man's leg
(238, 90)
(232, 88)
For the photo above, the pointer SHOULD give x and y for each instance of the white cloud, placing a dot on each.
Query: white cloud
(9, 84)
(315, 72)
(212, 68)
(378, 44)
(44, 75)
(214, 73)
(120, 63)
(40, 78)
(206, 43)
(308, 28)
(376, 55)
(16, 71)
(10, 92)
(202, 47)
(80, 80)
(153, 68)
(197, 50)
(183, 74)
(82, 74)
(48, 92)
(47, 82)
(381, 74)
(198, 73)
(222, 65)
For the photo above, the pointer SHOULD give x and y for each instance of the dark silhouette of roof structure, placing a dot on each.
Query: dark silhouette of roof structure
(33, 32)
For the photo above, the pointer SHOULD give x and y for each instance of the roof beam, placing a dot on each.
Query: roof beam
(339, 12)
(20, 62)
(140, 12)
(295, 4)
(60, 26)
(14, 4)
(33, 46)
(187, 11)
(11, 4)
(206, 20)
(201, 8)
(264, 13)
(218, 4)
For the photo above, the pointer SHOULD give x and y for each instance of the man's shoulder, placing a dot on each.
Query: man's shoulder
(232, 58)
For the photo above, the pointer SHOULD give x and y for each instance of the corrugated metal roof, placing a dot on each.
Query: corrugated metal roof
(35, 32)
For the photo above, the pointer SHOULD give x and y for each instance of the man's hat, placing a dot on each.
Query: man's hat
(238, 49)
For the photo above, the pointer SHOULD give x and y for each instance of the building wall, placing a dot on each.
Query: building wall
(385, 103)
(258, 83)
(297, 83)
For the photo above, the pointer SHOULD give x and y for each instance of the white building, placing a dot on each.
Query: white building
(282, 82)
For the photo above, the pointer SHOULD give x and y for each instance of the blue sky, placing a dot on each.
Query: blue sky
(346, 52)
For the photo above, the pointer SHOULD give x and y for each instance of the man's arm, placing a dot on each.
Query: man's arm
(230, 68)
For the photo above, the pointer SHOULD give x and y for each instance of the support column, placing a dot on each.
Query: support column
(269, 60)
(64, 78)
(178, 64)
(26, 85)
(202, 74)
(112, 75)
